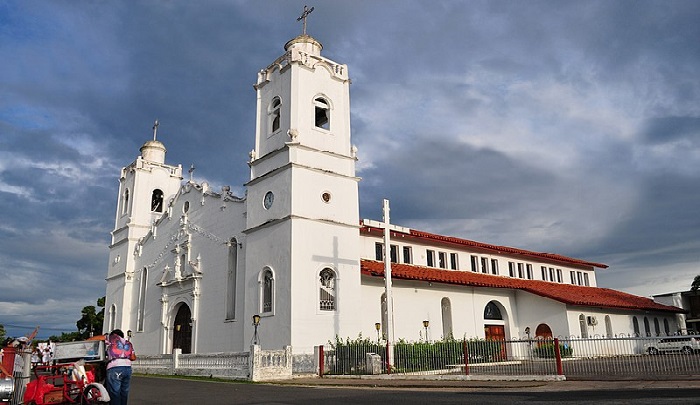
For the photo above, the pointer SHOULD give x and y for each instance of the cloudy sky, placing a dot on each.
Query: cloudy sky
(561, 126)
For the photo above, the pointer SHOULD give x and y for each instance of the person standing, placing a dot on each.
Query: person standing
(46, 356)
(120, 353)
(21, 369)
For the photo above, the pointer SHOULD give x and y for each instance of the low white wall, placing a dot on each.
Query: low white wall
(256, 365)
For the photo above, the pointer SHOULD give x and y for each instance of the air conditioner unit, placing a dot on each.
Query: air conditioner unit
(592, 320)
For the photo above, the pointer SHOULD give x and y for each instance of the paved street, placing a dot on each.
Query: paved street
(154, 390)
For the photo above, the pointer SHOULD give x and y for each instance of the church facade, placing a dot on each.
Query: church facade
(190, 266)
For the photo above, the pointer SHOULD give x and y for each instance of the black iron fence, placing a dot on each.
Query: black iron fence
(622, 356)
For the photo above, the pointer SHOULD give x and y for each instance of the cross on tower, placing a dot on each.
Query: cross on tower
(191, 171)
(303, 16)
(155, 130)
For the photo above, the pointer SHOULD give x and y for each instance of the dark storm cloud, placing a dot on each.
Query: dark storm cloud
(430, 172)
(666, 209)
(669, 129)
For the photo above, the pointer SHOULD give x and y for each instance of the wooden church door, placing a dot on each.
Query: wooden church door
(497, 332)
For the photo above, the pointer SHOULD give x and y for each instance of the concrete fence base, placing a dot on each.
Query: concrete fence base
(255, 365)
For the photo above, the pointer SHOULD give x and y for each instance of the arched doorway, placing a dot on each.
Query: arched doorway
(182, 329)
(494, 326)
(493, 330)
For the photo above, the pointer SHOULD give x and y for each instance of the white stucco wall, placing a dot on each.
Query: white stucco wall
(419, 248)
(210, 223)
(415, 302)
(534, 310)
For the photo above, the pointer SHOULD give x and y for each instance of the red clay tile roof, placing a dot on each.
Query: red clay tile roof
(566, 293)
(495, 248)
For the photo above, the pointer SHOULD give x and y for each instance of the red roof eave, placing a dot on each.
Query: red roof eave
(566, 293)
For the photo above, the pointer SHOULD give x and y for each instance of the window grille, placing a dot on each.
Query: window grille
(268, 289)
(327, 290)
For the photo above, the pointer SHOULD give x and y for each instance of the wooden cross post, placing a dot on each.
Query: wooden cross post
(386, 224)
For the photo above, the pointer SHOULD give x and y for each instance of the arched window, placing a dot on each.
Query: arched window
(125, 202)
(446, 318)
(142, 300)
(492, 312)
(584, 327)
(326, 299)
(268, 290)
(657, 329)
(322, 113)
(543, 331)
(274, 113)
(608, 326)
(231, 279)
(635, 326)
(667, 329)
(647, 328)
(157, 201)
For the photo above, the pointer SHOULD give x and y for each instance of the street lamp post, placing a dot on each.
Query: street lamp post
(425, 325)
(377, 326)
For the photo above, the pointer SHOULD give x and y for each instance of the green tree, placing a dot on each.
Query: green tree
(2, 333)
(91, 321)
(696, 283)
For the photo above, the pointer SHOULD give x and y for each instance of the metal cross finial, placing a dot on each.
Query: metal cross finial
(191, 171)
(303, 16)
(155, 130)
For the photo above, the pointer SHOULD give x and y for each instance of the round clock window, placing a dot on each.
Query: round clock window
(268, 200)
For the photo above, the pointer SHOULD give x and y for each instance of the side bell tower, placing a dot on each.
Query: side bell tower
(302, 231)
(145, 188)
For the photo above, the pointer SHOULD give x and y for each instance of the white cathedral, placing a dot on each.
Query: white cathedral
(189, 266)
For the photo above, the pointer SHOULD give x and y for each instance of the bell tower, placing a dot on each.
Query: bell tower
(302, 200)
(146, 187)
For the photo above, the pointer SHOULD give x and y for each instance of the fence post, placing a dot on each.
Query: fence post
(466, 356)
(321, 361)
(557, 353)
(254, 362)
(388, 362)
(176, 360)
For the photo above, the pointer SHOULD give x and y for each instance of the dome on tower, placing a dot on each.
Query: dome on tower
(304, 43)
(153, 151)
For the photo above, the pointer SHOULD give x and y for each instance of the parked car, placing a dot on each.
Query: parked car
(682, 344)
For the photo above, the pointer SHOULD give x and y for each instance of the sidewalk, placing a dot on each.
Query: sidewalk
(393, 382)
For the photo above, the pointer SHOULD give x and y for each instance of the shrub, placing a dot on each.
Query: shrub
(349, 356)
